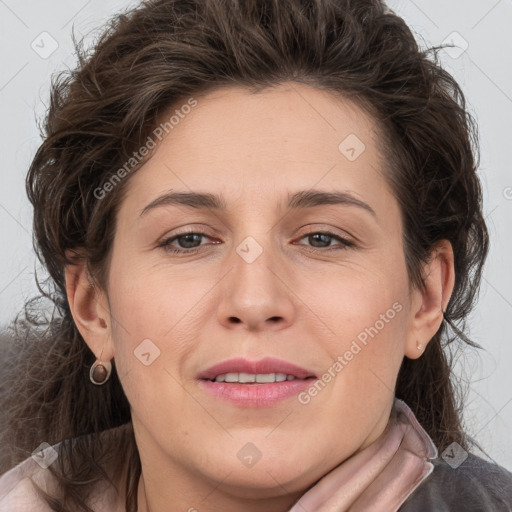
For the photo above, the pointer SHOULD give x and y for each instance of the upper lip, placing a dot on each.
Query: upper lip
(265, 365)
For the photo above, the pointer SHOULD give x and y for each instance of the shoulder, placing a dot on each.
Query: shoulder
(472, 486)
(17, 489)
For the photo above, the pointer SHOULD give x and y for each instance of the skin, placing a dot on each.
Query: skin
(297, 301)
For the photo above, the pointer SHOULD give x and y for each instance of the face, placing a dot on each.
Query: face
(318, 283)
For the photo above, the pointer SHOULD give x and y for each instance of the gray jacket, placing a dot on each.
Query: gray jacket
(474, 486)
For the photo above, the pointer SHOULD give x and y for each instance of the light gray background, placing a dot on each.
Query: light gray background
(483, 70)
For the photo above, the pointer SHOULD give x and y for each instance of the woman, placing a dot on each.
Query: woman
(263, 228)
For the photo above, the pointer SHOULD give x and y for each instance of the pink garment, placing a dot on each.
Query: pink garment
(380, 477)
(377, 479)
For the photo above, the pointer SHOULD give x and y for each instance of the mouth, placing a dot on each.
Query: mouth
(263, 371)
(255, 378)
(262, 383)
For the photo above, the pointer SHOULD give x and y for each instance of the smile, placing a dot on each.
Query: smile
(247, 378)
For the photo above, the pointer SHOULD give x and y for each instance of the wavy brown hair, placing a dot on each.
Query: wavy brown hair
(143, 64)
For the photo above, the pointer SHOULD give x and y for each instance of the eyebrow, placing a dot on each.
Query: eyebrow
(298, 200)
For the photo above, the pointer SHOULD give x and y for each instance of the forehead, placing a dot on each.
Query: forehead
(252, 146)
(271, 121)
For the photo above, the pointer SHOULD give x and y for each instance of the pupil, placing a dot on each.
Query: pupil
(318, 237)
(189, 239)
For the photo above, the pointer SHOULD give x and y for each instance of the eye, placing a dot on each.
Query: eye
(188, 239)
(321, 240)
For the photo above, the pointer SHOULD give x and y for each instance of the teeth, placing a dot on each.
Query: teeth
(245, 377)
(251, 377)
(266, 377)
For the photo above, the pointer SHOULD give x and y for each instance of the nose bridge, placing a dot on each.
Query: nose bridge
(254, 292)
(254, 261)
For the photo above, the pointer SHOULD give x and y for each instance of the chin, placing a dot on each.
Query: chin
(261, 485)
(264, 478)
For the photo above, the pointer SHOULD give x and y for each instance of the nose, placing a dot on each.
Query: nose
(256, 294)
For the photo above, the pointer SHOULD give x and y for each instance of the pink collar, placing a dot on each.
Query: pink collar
(380, 477)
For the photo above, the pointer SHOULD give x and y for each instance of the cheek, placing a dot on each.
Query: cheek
(156, 316)
(366, 315)
(154, 301)
(357, 300)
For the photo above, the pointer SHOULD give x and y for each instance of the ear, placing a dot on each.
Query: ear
(429, 304)
(89, 307)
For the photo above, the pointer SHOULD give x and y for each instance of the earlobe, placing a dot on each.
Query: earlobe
(88, 307)
(431, 302)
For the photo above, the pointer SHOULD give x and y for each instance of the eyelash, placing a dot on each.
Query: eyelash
(165, 244)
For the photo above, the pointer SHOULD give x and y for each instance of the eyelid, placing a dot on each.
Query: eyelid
(189, 228)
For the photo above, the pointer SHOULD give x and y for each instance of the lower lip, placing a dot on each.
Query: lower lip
(256, 394)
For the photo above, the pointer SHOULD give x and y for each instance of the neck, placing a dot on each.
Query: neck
(177, 487)
(170, 486)
(149, 500)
